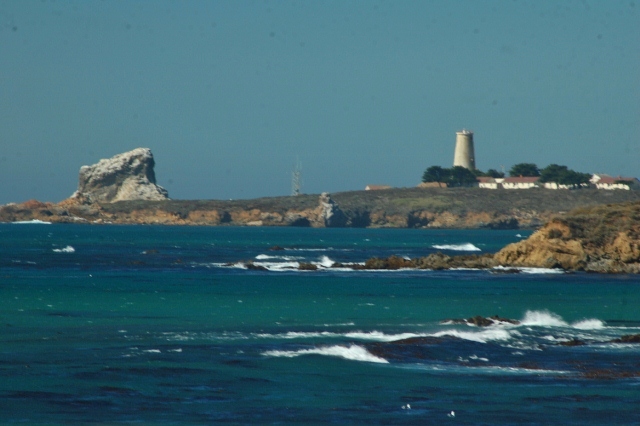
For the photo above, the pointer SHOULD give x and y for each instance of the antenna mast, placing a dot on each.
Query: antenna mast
(296, 179)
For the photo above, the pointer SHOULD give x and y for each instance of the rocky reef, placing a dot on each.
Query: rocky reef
(127, 176)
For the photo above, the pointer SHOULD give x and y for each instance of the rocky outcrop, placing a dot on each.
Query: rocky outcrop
(596, 239)
(124, 177)
(330, 214)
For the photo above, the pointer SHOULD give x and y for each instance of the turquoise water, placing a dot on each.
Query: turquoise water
(133, 324)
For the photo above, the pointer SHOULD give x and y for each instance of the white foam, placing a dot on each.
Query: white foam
(297, 335)
(549, 319)
(278, 266)
(379, 336)
(589, 324)
(527, 270)
(375, 336)
(325, 262)
(483, 336)
(457, 247)
(268, 257)
(31, 222)
(543, 319)
(541, 270)
(353, 352)
(67, 249)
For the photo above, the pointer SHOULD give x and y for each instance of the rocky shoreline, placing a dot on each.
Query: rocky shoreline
(596, 236)
(602, 239)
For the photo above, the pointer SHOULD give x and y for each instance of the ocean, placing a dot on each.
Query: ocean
(165, 325)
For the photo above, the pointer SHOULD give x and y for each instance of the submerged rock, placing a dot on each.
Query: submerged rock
(124, 177)
(481, 321)
(627, 338)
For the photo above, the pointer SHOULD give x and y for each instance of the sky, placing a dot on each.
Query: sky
(230, 95)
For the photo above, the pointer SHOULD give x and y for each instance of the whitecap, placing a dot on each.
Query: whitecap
(353, 353)
(296, 335)
(31, 222)
(67, 249)
(483, 336)
(543, 319)
(269, 257)
(326, 262)
(379, 336)
(589, 324)
(542, 270)
(530, 270)
(456, 247)
(278, 266)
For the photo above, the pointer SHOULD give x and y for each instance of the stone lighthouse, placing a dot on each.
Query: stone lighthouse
(464, 155)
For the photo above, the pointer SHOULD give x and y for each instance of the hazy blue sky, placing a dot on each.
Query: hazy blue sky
(227, 94)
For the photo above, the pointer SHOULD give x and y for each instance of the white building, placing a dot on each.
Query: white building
(602, 181)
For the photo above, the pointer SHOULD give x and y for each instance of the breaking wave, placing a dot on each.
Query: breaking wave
(353, 352)
(456, 247)
(67, 249)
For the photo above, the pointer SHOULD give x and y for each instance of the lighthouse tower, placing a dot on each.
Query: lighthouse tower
(464, 155)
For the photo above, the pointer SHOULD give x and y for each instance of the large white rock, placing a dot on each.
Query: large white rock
(127, 176)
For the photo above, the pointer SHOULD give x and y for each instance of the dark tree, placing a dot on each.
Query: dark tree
(494, 173)
(435, 174)
(524, 169)
(563, 175)
(461, 176)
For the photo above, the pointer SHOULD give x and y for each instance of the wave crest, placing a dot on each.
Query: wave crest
(456, 247)
(353, 353)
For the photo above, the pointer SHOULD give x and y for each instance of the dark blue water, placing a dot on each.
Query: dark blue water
(133, 324)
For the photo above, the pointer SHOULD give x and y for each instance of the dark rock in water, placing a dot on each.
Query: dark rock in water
(505, 271)
(414, 347)
(254, 267)
(481, 321)
(276, 248)
(628, 338)
(307, 266)
(572, 342)
(390, 263)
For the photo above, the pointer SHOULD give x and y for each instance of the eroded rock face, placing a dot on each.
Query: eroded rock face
(596, 239)
(330, 213)
(127, 176)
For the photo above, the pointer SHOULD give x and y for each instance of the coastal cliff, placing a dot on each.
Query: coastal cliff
(457, 208)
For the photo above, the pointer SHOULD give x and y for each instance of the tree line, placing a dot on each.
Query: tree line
(461, 176)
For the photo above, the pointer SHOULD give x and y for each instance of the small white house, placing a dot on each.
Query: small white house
(522, 182)
(489, 182)
(606, 182)
(555, 185)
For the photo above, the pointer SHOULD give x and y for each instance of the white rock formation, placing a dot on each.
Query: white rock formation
(127, 176)
(330, 213)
